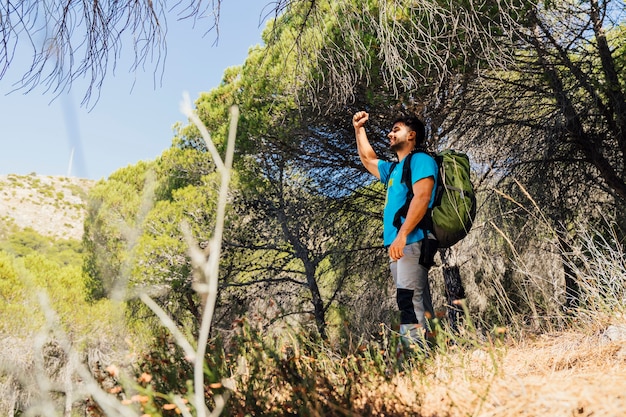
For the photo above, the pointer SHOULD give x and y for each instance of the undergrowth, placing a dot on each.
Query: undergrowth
(300, 375)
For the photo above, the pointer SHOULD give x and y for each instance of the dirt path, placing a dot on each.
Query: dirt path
(568, 374)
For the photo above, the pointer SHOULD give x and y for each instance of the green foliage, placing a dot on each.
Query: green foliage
(180, 166)
(12, 293)
(112, 215)
(64, 286)
(27, 241)
(24, 277)
(283, 228)
(161, 257)
(134, 240)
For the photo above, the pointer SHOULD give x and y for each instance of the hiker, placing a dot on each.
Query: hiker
(411, 251)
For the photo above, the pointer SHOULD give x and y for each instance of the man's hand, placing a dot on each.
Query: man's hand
(359, 119)
(396, 249)
(366, 152)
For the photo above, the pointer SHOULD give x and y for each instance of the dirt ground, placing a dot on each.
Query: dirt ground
(569, 374)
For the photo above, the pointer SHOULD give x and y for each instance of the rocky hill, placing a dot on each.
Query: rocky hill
(51, 205)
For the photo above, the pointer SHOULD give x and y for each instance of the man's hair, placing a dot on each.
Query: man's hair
(416, 125)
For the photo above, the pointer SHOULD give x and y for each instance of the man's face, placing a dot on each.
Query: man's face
(400, 136)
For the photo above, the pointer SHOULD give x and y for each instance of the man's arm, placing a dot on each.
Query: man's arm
(422, 191)
(366, 152)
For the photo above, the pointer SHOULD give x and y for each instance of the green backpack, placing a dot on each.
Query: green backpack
(454, 208)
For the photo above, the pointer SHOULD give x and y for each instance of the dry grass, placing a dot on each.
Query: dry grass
(565, 374)
(578, 372)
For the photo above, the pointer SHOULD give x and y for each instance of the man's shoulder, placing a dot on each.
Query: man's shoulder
(384, 165)
(423, 153)
(422, 158)
(384, 169)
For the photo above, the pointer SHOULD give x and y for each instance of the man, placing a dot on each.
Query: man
(405, 244)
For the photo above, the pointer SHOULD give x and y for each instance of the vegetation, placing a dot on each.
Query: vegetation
(251, 280)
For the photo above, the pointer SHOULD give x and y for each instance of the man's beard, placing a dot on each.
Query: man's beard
(396, 147)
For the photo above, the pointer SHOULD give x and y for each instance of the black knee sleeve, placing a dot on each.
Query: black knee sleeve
(405, 305)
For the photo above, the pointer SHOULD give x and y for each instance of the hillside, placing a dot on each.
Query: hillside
(52, 206)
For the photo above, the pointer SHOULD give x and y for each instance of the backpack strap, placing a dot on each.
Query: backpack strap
(426, 224)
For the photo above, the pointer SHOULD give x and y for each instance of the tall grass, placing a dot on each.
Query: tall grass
(598, 263)
(590, 254)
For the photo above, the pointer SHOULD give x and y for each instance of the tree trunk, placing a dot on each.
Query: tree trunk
(614, 90)
(316, 298)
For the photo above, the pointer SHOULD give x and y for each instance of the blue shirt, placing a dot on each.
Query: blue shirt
(422, 166)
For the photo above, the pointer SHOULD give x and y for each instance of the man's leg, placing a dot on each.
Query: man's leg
(413, 293)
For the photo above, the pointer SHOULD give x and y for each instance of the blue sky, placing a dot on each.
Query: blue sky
(129, 123)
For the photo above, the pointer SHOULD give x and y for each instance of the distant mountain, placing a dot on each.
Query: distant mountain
(51, 205)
